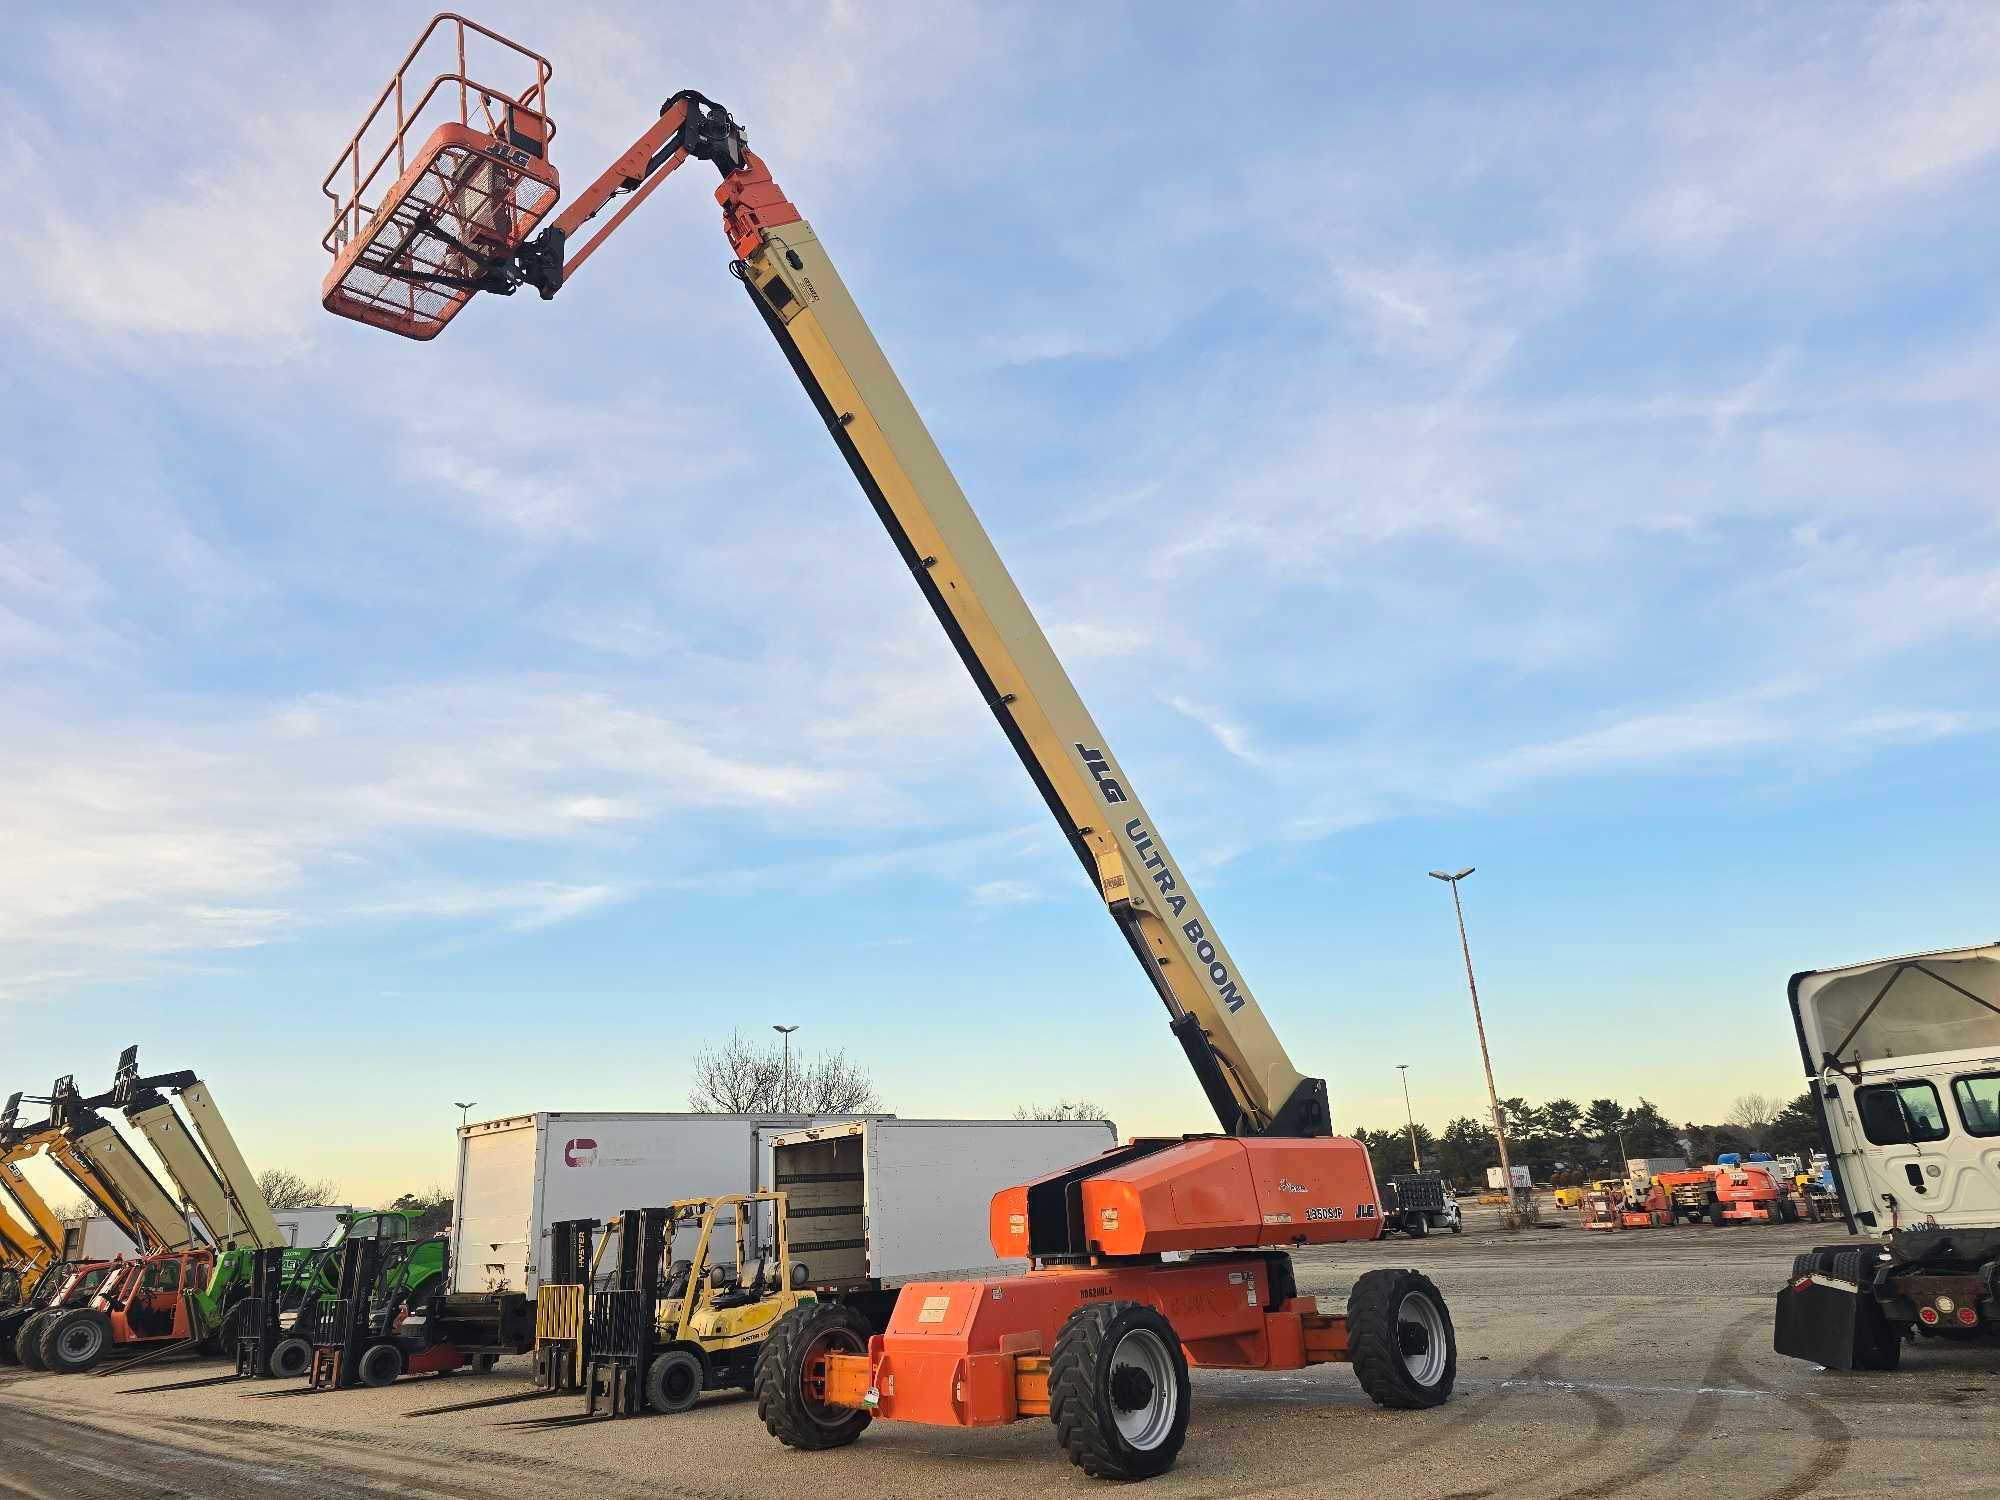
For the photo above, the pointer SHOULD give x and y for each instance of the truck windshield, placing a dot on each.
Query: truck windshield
(1897, 1114)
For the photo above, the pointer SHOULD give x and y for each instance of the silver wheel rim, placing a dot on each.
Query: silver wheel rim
(79, 1341)
(1147, 1424)
(1416, 1311)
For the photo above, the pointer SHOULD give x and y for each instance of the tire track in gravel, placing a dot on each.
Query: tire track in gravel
(1606, 1420)
(1836, 1439)
(1700, 1419)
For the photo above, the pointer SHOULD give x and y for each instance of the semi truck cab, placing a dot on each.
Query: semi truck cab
(1903, 1056)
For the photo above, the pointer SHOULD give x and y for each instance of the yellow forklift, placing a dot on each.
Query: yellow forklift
(655, 1328)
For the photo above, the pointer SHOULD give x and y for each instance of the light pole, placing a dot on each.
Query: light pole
(1514, 1214)
(785, 1096)
(1416, 1161)
(462, 1105)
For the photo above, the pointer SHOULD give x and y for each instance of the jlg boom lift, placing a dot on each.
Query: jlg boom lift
(1158, 1253)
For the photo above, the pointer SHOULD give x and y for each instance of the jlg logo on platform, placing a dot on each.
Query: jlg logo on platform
(580, 1152)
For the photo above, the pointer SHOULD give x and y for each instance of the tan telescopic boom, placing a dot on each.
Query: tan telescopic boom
(1243, 1067)
(218, 1182)
(18, 1143)
(145, 1204)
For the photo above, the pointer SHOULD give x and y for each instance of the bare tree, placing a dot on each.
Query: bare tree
(1062, 1109)
(75, 1208)
(742, 1077)
(1752, 1114)
(283, 1189)
(433, 1207)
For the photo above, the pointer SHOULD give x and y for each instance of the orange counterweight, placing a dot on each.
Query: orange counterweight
(1194, 1194)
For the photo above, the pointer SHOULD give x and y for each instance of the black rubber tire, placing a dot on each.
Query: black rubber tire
(780, 1379)
(230, 1333)
(76, 1341)
(674, 1381)
(291, 1358)
(1416, 1226)
(1715, 1213)
(1788, 1211)
(1082, 1403)
(379, 1365)
(28, 1342)
(1458, 1225)
(1850, 1265)
(1375, 1340)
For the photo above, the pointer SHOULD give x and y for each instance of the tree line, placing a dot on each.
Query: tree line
(1564, 1141)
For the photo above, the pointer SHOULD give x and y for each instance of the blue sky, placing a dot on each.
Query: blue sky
(1455, 437)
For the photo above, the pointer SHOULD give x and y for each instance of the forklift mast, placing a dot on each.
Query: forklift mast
(218, 1182)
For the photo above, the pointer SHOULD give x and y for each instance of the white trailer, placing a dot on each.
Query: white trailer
(520, 1174)
(874, 1203)
(310, 1225)
(94, 1237)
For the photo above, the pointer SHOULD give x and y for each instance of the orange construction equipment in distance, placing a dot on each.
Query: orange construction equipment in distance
(1753, 1192)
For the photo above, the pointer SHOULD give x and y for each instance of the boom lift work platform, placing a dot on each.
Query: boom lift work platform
(1158, 1253)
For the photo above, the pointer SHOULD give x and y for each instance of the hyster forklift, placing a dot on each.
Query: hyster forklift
(1161, 1252)
(658, 1327)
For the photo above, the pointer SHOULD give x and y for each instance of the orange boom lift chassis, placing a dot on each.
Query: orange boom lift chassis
(1160, 1253)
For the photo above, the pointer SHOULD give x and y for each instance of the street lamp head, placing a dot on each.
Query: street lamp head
(787, 1030)
(1403, 1067)
(463, 1103)
(1441, 875)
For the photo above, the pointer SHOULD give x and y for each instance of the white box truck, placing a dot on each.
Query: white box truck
(520, 1174)
(911, 1194)
(310, 1226)
(874, 1203)
(95, 1237)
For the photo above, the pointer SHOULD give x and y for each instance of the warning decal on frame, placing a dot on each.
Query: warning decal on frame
(933, 1309)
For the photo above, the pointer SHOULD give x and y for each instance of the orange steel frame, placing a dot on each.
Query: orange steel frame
(115, 1297)
(975, 1353)
(349, 212)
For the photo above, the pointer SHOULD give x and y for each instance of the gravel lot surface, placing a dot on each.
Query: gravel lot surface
(1589, 1365)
